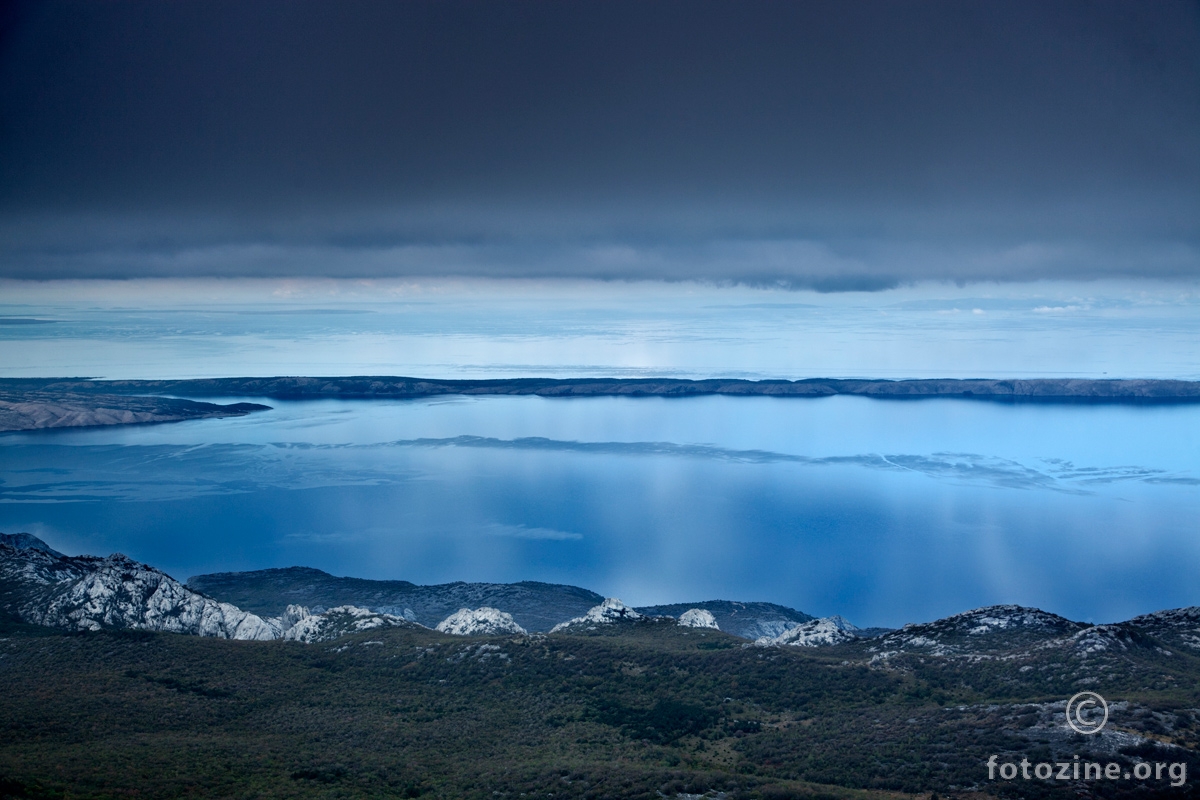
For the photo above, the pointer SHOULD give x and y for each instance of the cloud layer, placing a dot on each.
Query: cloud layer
(829, 145)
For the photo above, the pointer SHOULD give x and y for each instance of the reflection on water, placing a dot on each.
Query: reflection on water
(884, 511)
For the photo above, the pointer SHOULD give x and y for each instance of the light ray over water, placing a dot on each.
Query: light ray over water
(884, 511)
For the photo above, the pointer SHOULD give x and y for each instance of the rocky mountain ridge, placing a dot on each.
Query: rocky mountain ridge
(982, 630)
(534, 606)
(610, 611)
(814, 633)
(41, 586)
(337, 622)
(745, 619)
(44, 587)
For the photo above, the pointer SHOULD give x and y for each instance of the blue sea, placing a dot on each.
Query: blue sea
(883, 511)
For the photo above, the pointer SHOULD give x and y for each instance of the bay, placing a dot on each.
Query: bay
(884, 511)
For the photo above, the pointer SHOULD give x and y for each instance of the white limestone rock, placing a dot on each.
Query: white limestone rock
(610, 611)
(1101, 639)
(698, 618)
(340, 621)
(814, 633)
(480, 622)
(1179, 626)
(90, 593)
(982, 630)
(292, 615)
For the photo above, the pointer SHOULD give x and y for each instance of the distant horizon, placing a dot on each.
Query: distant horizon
(480, 329)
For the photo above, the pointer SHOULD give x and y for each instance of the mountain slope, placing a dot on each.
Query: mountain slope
(991, 629)
(27, 541)
(41, 586)
(534, 606)
(1178, 627)
(747, 620)
(636, 710)
(814, 633)
(610, 611)
(338, 622)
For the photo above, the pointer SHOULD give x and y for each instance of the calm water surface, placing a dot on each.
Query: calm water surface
(884, 511)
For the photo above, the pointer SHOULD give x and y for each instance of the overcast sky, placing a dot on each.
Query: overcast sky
(833, 145)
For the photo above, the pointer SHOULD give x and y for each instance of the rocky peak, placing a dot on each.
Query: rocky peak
(698, 618)
(610, 611)
(27, 541)
(1179, 626)
(341, 621)
(814, 633)
(43, 587)
(480, 622)
(981, 630)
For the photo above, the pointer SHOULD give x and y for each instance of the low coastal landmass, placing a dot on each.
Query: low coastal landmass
(24, 409)
(30, 403)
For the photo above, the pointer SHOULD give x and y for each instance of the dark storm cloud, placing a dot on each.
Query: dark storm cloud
(835, 145)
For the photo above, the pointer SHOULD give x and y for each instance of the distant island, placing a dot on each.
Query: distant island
(31, 403)
(30, 408)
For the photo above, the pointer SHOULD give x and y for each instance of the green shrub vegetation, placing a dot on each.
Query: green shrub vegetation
(633, 711)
